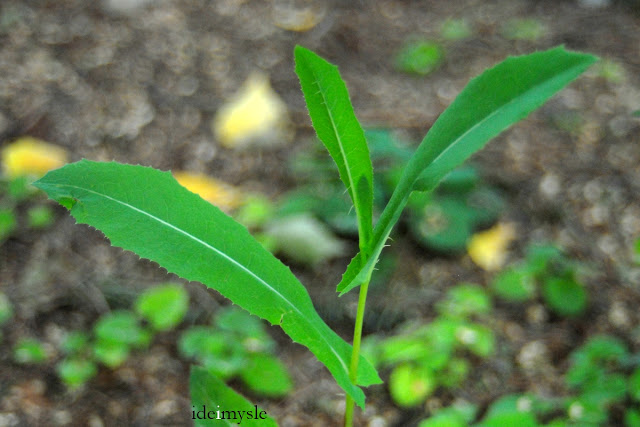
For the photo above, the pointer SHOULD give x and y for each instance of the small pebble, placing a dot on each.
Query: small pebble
(533, 355)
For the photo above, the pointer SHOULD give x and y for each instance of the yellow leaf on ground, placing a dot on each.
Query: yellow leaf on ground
(210, 189)
(254, 116)
(298, 19)
(31, 156)
(488, 249)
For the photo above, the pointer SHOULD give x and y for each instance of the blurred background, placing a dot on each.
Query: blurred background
(544, 222)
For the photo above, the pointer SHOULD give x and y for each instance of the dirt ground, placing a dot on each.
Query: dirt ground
(142, 86)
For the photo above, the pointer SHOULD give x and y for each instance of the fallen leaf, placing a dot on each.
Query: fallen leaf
(216, 192)
(31, 156)
(298, 19)
(302, 238)
(488, 249)
(254, 116)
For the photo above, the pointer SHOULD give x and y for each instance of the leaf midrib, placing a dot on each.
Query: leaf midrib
(225, 256)
(501, 108)
(412, 179)
(352, 188)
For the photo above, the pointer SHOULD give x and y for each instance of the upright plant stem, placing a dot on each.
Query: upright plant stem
(355, 356)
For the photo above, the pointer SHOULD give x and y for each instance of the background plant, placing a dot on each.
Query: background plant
(6, 311)
(137, 195)
(238, 346)
(442, 220)
(23, 161)
(603, 377)
(20, 208)
(423, 358)
(235, 345)
(548, 271)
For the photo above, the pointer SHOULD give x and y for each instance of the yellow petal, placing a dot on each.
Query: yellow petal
(255, 115)
(213, 191)
(31, 156)
(488, 249)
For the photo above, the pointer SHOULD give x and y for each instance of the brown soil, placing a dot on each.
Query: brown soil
(107, 85)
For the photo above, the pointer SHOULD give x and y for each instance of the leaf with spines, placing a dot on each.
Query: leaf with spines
(338, 128)
(146, 211)
(491, 102)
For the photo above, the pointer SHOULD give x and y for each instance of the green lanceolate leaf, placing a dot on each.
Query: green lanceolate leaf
(146, 211)
(339, 130)
(491, 102)
(215, 404)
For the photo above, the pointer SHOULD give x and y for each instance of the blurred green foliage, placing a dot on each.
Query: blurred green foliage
(429, 356)
(29, 350)
(20, 207)
(163, 306)
(548, 270)
(611, 71)
(419, 57)
(116, 333)
(237, 345)
(602, 376)
(6, 309)
(442, 220)
(445, 219)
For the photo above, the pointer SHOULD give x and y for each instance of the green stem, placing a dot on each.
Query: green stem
(355, 356)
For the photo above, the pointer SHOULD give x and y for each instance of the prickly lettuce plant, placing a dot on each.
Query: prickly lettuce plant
(146, 211)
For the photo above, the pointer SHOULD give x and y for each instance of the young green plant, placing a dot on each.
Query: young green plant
(430, 356)
(146, 211)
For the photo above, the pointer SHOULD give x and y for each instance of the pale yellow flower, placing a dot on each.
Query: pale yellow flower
(210, 189)
(31, 156)
(255, 115)
(488, 249)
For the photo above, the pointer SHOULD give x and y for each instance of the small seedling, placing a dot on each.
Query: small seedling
(14, 193)
(420, 57)
(431, 356)
(29, 350)
(453, 416)
(444, 220)
(75, 343)
(236, 345)
(163, 306)
(600, 376)
(598, 379)
(192, 238)
(78, 365)
(511, 410)
(603, 377)
(548, 269)
(8, 223)
(76, 371)
(116, 334)
(39, 217)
